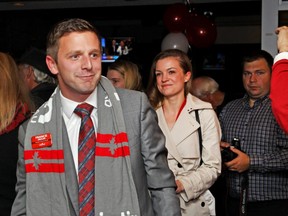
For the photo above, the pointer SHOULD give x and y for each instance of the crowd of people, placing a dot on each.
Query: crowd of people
(76, 142)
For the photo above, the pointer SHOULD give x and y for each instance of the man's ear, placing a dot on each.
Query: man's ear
(52, 65)
(29, 72)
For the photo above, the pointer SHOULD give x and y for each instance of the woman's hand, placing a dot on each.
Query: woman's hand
(180, 187)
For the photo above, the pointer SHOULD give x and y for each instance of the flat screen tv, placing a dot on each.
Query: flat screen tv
(114, 47)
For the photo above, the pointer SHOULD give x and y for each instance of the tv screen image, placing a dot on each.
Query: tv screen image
(113, 47)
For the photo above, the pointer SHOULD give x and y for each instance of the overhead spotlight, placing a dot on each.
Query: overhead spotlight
(18, 4)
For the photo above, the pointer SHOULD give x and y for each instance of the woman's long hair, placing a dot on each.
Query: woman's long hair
(13, 91)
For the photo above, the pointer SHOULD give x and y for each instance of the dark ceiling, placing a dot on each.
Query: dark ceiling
(53, 4)
(23, 28)
(142, 19)
(233, 8)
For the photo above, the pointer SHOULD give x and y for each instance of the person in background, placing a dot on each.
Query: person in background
(257, 175)
(128, 154)
(122, 48)
(130, 45)
(207, 89)
(125, 74)
(36, 75)
(279, 81)
(196, 164)
(15, 109)
(112, 50)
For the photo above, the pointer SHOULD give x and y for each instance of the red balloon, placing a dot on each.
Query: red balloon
(175, 17)
(201, 32)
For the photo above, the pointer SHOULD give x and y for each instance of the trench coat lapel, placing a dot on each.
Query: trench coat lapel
(170, 145)
(185, 125)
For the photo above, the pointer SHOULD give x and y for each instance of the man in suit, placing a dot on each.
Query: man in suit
(132, 176)
(113, 48)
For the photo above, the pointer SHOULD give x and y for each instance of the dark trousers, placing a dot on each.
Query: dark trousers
(261, 208)
(219, 191)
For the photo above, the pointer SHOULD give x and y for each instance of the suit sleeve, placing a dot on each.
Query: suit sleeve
(19, 205)
(279, 93)
(160, 179)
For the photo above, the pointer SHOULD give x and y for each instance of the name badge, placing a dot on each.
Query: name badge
(41, 141)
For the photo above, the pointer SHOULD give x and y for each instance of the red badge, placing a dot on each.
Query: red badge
(41, 141)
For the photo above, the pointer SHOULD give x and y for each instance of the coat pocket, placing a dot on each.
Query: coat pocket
(195, 207)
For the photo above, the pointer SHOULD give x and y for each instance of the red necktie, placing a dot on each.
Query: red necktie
(86, 160)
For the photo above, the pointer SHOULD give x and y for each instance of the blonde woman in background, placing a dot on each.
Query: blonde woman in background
(14, 110)
(125, 74)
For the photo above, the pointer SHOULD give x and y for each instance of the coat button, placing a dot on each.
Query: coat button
(179, 165)
(202, 204)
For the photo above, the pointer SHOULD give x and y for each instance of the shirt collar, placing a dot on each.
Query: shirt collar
(69, 105)
(256, 103)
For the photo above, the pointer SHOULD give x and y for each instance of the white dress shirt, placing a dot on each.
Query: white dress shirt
(73, 121)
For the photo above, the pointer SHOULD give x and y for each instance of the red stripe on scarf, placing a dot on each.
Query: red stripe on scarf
(110, 139)
(106, 138)
(34, 160)
(45, 168)
(44, 154)
(119, 152)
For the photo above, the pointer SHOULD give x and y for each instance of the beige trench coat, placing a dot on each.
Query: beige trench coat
(182, 142)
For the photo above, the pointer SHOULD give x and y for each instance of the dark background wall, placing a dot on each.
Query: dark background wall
(25, 28)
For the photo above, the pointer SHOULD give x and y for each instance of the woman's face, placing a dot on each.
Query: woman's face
(170, 77)
(116, 78)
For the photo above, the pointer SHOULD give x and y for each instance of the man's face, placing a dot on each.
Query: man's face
(256, 78)
(78, 65)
